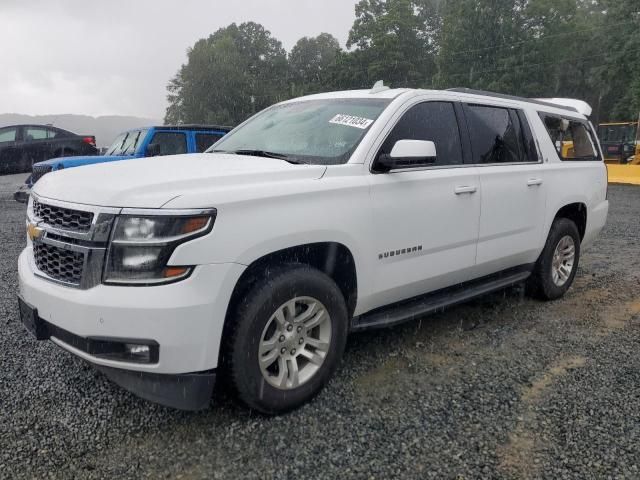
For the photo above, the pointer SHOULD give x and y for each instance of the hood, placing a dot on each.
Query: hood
(152, 182)
(70, 162)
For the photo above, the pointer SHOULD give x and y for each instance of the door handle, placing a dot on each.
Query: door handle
(532, 182)
(465, 189)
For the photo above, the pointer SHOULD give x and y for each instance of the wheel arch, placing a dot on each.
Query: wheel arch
(324, 256)
(332, 258)
(577, 213)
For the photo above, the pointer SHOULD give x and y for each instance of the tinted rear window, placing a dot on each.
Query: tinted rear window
(496, 136)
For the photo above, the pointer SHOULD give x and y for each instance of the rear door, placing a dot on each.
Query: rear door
(425, 218)
(514, 193)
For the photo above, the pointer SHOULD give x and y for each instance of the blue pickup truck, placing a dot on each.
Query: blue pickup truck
(140, 143)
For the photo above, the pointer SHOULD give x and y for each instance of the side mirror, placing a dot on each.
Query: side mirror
(409, 153)
(153, 150)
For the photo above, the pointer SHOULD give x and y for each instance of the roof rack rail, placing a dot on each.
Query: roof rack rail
(511, 97)
(193, 127)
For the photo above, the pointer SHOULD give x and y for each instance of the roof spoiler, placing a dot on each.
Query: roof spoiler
(565, 103)
(579, 106)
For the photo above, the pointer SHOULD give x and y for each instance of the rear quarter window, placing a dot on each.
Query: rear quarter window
(573, 139)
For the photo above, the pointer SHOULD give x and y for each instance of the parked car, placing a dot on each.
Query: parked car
(317, 217)
(23, 145)
(140, 143)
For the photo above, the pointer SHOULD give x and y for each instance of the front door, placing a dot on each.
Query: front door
(426, 218)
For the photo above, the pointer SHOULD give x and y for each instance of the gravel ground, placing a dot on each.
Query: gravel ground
(9, 184)
(506, 387)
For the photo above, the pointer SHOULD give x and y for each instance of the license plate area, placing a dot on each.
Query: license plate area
(30, 319)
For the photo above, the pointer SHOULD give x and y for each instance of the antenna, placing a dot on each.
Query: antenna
(378, 87)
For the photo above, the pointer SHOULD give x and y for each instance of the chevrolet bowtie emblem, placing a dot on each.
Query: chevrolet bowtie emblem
(34, 231)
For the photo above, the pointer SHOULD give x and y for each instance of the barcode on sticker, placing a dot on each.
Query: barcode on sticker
(351, 121)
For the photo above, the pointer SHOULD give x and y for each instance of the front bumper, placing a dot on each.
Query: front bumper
(185, 319)
(188, 391)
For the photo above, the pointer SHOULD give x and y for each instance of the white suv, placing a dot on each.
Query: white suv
(317, 217)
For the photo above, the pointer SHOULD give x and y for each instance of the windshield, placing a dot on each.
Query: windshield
(313, 131)
(126, 143)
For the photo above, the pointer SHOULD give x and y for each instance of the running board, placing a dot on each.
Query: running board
(417, 307)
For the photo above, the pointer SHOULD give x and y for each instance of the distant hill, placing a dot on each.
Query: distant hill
(104, 128)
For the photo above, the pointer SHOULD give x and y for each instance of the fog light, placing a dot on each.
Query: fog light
(141, 353)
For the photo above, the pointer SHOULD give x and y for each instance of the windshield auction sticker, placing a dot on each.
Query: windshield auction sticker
(351, 121)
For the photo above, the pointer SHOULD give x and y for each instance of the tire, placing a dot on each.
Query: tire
(26, 164)
(254, 326)
(544, 283)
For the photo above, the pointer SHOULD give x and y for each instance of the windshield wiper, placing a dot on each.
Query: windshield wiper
(263, 153)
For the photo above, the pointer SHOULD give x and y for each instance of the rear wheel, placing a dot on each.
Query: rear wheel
(556, 268)
(286, 339)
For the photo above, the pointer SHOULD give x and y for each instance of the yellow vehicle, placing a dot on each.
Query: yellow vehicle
(620, 142)
(567, 149)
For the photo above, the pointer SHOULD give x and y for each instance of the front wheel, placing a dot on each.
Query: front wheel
(286, 338)
(556, 268)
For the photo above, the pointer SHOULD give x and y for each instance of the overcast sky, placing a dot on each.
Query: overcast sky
(106, 57)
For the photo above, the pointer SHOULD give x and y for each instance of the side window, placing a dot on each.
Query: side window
(573, 139)
(171, 143)
(8, 134)
(205, 140)
(434, 121)
(495, 133)
(51, 133)
(35, 133)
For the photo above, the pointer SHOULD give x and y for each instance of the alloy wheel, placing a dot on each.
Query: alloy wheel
(294, 343)
(563, 260)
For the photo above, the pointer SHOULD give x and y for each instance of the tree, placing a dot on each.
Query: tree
(588, 49)
(310, 63)
(229, 76)
(478, 44)
(620, 77)
(393, 41)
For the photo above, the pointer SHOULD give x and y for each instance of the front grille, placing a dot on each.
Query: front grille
(58, 263)
(39, 171)
(63, 218)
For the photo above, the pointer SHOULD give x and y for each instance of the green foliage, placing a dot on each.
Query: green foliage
(393, 42)
(230, 75)
(311, 61)
(586, 49)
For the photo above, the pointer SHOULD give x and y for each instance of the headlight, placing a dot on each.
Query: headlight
(30, 207)
(141, 246)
